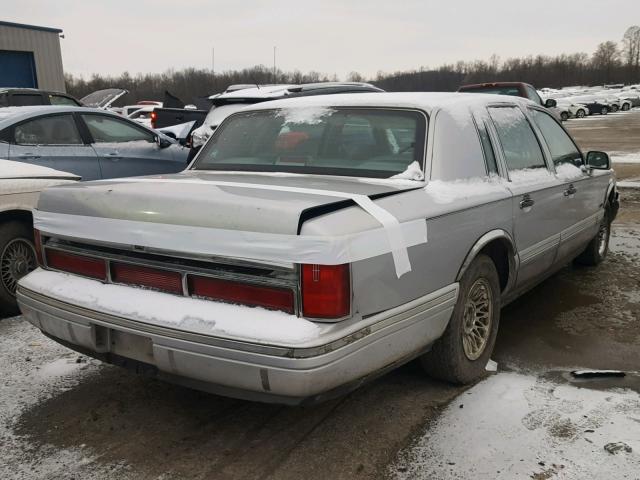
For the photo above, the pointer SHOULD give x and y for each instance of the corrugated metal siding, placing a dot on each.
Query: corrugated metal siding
(46, 51)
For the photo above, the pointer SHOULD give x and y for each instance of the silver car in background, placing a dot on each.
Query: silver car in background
(90, 143)
(315, 243)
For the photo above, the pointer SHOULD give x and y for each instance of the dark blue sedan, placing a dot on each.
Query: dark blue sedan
(90, 143)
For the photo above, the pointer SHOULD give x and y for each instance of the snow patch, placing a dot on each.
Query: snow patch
(201, 316)
(413, 172)
(625, 157)
(531, 176)
(308, 115)
(567, 172)
(10, 169)
(517, 426)
(441, 191)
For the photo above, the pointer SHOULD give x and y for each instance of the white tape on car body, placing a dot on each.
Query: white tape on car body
(270, 247)
(396, 244)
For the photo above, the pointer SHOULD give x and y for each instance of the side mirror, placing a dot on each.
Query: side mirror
(162, 141)
(550, 103)
(598, 160)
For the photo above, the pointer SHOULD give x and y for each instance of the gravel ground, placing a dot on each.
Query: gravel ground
(64, 416)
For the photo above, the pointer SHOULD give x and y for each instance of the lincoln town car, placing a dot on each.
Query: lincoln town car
(315, 243)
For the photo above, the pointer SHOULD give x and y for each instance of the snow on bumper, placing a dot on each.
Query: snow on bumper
(319, 360)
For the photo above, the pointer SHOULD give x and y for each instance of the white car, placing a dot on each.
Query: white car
(575, 110)
(20, 186)
(142, 115)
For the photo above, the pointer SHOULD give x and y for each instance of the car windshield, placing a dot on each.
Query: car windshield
(318, 140)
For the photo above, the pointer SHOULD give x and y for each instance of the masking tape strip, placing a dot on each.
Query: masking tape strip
(270, 247)
(391, 225)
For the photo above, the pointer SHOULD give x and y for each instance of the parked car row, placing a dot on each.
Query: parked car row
(313, 243)
(596, 100)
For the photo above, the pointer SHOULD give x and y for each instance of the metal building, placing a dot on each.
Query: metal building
(30, 57)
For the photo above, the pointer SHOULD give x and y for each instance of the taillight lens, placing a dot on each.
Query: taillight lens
(37, 242)
(154, 117)
(273, 298)
(78, 264)
(326, 291)
(164, 280)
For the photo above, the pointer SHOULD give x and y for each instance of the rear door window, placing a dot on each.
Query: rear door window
(26, 99)
(519, 144)
(50, 130)
(62, 100)
(105, 129)
(562, 148)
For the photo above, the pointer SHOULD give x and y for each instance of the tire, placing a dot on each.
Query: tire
(604, 111)
(598, 247)
(626, 107)
(17, 258)
(564, 116)
(454, 358)
(581, 113)
(614, 108)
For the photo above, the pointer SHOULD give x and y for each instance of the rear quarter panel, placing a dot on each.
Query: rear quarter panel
(452, 230)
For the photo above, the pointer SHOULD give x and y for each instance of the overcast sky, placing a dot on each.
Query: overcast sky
(330, 36)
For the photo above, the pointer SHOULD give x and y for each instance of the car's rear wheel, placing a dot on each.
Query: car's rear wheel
(614, 108)
(564, 116)
(581, 113)
(460, 356)
(604, 110)
(17, 258)
(598, 247)
(626, 107)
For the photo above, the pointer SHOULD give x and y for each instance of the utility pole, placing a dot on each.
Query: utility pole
(274, 64)
(213, 62)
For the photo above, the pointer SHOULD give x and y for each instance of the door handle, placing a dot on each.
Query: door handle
(526, 202)
(29, 155)
(113, 156)
(570, 191)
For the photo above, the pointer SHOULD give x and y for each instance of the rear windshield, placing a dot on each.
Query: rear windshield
(317, 140)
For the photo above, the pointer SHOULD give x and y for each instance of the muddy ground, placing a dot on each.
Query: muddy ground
(64, 416)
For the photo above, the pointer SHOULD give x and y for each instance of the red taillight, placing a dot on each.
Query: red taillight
(37, 242)
(78, 264)
(154, 117)
(254, 295)
(326, 291)
(164, 280)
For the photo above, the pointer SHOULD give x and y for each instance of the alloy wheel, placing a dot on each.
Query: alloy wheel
(477, 319)
(18, 258)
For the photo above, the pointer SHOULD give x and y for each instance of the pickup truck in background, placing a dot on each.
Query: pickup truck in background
(167, 117)
(514, 89)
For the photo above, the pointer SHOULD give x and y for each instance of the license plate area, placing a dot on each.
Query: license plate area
(131, 346)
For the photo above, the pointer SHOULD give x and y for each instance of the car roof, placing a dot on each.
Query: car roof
(261, 92)
(12, 115)
(496, 84)
(426, 101)
(31, 90)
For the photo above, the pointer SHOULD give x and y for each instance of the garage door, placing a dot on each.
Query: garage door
(17, 69)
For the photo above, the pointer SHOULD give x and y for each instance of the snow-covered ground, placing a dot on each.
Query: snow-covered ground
(514, 426)
(33, 369)
(625, 157)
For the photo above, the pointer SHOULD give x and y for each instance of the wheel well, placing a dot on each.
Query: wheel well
(17, 215)
(499, 250)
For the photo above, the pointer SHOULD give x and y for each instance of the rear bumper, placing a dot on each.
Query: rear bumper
(242, 369)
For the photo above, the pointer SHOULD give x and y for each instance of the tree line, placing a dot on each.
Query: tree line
(612, 62)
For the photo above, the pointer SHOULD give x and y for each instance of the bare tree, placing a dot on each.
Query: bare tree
(606, 58)
(631, 51)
